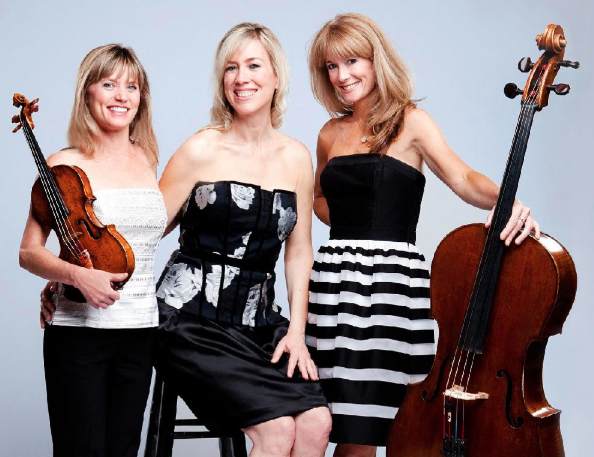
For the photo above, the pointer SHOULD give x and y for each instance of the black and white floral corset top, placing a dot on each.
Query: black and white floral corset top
(231, 234)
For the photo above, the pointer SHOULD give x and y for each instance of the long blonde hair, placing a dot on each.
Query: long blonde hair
(221, 113)
(101, 62)
(355, 35)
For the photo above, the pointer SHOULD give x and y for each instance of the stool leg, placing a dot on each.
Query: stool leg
(233, 446)
(152, 437)
(167, 422)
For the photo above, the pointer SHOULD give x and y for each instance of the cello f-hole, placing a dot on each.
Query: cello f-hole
(425, 393)
(519, 421)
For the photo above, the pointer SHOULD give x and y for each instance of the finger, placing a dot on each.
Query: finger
(46, 314)
(41, 321)
(291, 366)
(524, 220)
(536, 230)
(278, 352)
(313, 371)
(302, 364)
(489, 218)
(118, 277)
(525, 231)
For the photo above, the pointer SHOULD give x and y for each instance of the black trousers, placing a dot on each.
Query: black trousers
(97, 382)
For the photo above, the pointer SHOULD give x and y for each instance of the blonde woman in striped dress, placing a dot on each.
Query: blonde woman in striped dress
(369, 329)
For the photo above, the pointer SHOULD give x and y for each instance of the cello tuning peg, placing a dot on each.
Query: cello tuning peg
(511, 90)
(525, 64)
(569, 63)
(560, 89)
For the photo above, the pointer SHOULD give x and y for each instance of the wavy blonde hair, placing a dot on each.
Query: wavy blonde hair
(355, 35)
(102, 62)
(221, 113)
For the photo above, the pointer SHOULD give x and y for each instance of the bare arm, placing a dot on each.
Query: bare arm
(298, 262)
(180, 177)
(471, 186)
(320, 205)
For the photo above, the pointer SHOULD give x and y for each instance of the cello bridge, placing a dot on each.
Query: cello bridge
(459, 393)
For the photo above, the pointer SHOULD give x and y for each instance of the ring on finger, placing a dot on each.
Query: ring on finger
(522, 219)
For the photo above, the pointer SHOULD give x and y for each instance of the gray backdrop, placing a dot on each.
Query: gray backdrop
(462, 53)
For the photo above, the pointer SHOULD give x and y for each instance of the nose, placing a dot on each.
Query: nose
(241, 75)
(343, 73)
(121, 93)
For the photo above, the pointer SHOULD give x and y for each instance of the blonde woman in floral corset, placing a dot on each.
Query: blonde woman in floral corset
(98, 354)
(239, 189)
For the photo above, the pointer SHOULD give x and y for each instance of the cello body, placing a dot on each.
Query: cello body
(496, 307)
(516, 419)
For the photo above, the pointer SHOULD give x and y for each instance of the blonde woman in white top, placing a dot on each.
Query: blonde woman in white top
(98, 354)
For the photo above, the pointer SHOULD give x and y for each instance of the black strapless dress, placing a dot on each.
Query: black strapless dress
(368, 328)
(219, 323)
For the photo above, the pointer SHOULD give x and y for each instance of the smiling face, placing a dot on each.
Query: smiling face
(352, 77)
(249, 80)
(113, 101)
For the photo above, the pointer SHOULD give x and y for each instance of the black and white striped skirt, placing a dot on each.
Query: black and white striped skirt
(369, 332)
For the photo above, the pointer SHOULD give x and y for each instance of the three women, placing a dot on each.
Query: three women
(236, 188)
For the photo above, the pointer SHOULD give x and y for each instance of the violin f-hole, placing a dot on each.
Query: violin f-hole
(89, 231)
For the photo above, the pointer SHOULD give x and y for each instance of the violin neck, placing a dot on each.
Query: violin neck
(50, 187)
(477, 315)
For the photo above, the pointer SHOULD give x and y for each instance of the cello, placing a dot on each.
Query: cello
(62, 199)
(496, 307)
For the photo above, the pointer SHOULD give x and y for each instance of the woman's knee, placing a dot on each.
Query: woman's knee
(315, 424)
(274, 437)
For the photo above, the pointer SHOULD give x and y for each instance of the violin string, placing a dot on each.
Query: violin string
(49, 186)
(56, 195)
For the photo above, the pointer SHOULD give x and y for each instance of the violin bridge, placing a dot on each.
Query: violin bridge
(460, 393)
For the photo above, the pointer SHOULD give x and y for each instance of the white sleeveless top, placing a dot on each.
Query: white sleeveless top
(139, 216)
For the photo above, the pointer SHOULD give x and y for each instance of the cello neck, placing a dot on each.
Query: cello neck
(477, 316)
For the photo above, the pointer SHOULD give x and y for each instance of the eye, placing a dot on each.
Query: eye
(254, 65)
(351, 61)
(132, 87)
(107, 85)
(331, 66)
(231, 68)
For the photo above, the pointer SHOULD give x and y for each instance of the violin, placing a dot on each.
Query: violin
(496, 307)
(62, 199)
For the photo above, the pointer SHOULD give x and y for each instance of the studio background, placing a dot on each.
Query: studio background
(462, 53)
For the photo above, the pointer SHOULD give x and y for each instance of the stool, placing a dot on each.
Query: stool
(162, 423)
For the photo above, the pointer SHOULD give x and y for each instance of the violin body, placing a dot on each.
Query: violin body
(107, 249)
(516, 419)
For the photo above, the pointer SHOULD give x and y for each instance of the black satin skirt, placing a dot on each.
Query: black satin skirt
(224, 374)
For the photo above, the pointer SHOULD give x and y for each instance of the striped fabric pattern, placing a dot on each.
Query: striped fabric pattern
(369, 332)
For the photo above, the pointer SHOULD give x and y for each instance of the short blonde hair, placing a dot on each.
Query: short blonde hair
(101, 62)
(355, 35)
(221, 113)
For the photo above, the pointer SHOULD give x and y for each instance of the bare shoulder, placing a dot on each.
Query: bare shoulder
(295, 152)
(417, 119)
(67, 156)
(200, 147)
(329, 130)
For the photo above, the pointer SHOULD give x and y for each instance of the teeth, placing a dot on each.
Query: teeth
(245, 93)
(350, 86)
(117, 109)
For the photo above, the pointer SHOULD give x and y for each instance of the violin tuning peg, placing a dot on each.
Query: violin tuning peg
(511, 90)
(560, 89)
(569, 63)
(525, 64)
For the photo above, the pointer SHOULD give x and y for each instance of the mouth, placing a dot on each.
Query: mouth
(350, 87)
(245, 93)
(118, 109)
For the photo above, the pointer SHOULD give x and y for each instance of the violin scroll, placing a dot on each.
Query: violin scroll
(27, 109)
